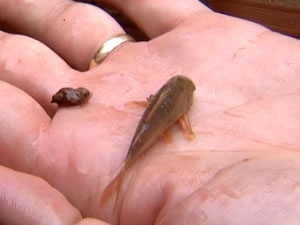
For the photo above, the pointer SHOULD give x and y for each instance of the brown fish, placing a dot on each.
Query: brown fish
(168, 105)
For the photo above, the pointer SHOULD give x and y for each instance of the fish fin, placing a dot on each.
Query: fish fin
(143, 104)
(137, 103)
(149, 98)
(112, 189)
(109, 191)
(167, 137)
(186, 127)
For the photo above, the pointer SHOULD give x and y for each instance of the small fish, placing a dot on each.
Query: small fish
(70, 96)
(168, 105)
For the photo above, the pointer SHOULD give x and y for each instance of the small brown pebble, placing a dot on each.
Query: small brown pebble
(71, 96)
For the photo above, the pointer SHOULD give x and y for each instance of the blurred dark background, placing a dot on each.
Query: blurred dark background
(279, 15)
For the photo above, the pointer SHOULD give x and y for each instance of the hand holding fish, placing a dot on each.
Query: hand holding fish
(59, 164)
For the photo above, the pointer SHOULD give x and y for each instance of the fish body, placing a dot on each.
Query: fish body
(170, 103)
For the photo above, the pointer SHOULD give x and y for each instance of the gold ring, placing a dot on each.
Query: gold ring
(107, 47)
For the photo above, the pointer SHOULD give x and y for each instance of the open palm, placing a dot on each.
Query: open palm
(244, 160)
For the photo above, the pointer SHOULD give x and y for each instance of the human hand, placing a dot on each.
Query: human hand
(243, 162)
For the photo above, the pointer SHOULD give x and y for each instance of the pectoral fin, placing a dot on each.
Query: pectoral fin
(186, 127)
(167, 137)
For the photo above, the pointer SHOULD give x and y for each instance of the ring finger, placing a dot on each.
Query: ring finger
(71, 29)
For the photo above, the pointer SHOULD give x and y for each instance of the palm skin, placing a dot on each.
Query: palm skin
(244, 160)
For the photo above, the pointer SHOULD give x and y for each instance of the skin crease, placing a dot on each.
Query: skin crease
(243, 166)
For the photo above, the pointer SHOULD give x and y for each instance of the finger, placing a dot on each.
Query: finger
(33, 68)
(25, 199)
(156, 17)
(91, 221)
(66, 150)
(24, 127)
(22, 120)
(74, 30)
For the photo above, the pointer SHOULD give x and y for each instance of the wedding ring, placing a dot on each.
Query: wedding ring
(107, 47)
